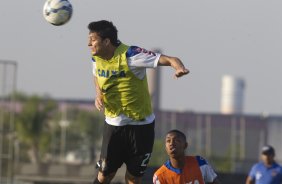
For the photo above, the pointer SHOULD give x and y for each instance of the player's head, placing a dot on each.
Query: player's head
(105, 30)
(267, 154)
(175, 144)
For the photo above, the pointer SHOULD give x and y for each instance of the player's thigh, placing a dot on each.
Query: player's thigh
(140, 146)
(112, 155)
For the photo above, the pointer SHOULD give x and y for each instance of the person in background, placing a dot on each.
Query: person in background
(267, 171)
(182, 169)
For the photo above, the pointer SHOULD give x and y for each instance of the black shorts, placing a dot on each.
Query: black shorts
(130, 144)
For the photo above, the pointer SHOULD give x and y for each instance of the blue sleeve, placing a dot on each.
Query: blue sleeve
(134, 50)
(252, 172)
(201, 161)
(280, 173)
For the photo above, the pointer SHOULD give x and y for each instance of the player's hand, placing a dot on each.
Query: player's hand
(99, 102)
(180, 72)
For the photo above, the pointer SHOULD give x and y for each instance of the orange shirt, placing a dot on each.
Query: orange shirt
(190, 174)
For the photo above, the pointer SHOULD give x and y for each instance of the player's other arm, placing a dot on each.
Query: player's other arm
(251, 176)
(250, 180)
(175, 63)
(99, 103)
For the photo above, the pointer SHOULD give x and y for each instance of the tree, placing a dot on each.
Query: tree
(85, 130)
(32, 125)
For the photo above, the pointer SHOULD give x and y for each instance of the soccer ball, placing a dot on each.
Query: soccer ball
(57, 12)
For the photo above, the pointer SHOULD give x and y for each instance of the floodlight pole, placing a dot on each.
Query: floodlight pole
(9, 156)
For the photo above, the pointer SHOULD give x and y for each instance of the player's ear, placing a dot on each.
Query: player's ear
(107, 41)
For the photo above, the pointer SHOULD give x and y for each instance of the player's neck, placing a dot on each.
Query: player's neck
(110, 52)
(178, 162)
(268, 164)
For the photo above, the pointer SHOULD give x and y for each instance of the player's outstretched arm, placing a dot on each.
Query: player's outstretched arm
(175, 63)
(99, 103)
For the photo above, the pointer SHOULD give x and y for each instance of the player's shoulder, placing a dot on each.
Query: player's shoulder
(279, 166)
(161, 170)
(201, 160)
(258, 166)
(161, 174)
(135, 50)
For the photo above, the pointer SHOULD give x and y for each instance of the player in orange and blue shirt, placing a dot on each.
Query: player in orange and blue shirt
(181, 169)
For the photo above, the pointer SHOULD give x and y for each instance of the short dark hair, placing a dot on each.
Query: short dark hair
(105, 29)
(179, 133)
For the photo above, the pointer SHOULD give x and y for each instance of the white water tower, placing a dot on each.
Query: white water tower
(232, 95)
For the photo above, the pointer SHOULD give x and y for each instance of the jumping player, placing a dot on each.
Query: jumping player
(122, 93)
(180, 168)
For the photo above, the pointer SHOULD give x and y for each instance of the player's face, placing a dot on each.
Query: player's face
(175, 145)
(96, 44)
(267, 159)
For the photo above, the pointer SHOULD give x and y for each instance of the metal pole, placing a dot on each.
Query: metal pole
(12, 124)
(9, 155)
(199, 134)
(63, 143)
(208, 136)
(233, 143)
(64, 123)
(2, 120)
(242, 138)
(173, 120)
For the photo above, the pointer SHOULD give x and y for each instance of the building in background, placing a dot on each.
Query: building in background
(232, 95)
(232, 141)
(229, 138)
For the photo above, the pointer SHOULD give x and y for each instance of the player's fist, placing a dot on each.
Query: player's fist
(181, 72)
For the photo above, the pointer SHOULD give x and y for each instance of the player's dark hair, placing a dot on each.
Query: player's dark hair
(178, 133)
(105, 29)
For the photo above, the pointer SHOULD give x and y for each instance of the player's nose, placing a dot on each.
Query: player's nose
(89, 43)
(172, 143)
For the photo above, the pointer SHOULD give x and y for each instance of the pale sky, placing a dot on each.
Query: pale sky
(212, 37)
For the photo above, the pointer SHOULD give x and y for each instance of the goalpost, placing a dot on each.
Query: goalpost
(8, 75)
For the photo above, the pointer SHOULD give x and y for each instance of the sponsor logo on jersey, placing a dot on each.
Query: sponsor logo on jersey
(111, 73)
(141, 50)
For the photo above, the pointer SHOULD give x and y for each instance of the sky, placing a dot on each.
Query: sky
(242, 38)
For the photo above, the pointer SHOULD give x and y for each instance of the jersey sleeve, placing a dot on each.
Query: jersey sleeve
(139, 57)
(252, 172)
(208, 173)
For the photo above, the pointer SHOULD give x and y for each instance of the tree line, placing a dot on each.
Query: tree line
(38, 135)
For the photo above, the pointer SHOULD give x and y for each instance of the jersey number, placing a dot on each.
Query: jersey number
(146, 159)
